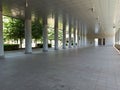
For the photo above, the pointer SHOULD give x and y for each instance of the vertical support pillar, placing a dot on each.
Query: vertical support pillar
(70, 27)
(82, 35)
(115, 37)
(28, 36)
(45, 34)
(78, 36)
(118, 36)
(1, 33)
(101, 41)
(85, 31)
(64, 31)
(56, 31)
(74, 33)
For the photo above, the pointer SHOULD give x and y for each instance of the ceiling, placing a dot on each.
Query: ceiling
(94, 13)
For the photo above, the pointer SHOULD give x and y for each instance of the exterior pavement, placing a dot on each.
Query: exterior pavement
(93, 68)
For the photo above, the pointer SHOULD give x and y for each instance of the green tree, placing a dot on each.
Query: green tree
(51, 34)
(37, 30)
(14, 29)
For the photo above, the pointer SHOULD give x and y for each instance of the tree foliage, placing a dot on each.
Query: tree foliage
(51, 34)
(37, 29)
(13, 29)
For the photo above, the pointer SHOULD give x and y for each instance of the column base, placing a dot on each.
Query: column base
(45, 50)
(70, 46)
(74, 46)
(56, 49)
(2, 57)
(28, 52)
(64, 47)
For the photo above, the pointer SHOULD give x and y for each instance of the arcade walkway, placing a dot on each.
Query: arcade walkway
(95, 68)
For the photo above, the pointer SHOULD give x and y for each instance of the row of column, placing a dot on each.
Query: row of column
(79, 33)
(28, 37)
(76, 30)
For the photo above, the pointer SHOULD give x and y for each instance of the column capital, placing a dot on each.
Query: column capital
(27, 10)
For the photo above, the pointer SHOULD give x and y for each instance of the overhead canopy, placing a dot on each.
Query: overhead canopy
(100, 14)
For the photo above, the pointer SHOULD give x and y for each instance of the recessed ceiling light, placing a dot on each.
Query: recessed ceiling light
(26, 3)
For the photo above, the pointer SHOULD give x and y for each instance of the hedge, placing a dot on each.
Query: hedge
(41, 45)
(9, 47)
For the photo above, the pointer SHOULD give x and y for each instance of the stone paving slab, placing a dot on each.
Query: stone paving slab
(93, 68)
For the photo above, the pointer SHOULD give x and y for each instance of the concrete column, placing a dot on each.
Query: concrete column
(85, 31)
(74, 33)
(56, 31)
(82, 37)
(28, 36)
(45, 34)
(70, 28)
(101, 41)
(115, 37)
(64, 31)
(83, 34)
(78, 34)
(118, 36)
(1, 34)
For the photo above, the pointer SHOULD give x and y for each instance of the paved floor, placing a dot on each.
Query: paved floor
(94, 68)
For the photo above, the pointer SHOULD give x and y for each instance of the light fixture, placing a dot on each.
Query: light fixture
(26, 4)
(114, 27)
(92, 9)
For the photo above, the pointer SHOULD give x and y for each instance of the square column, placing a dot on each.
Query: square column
(64, 31)
(70, 27)
(45, 34)
(85, 32)
(118, 36)
(56, 31)
(1, 34)
(74, 43)
(78, 34)
(81, 34)
(28, 36)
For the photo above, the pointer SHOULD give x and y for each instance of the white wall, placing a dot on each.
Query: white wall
(109, 41)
